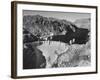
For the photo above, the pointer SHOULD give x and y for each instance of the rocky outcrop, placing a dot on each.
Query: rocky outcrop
(60, 30)
(43, 26)
(75, 56)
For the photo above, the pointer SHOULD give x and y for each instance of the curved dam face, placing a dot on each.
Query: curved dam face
(51, 50)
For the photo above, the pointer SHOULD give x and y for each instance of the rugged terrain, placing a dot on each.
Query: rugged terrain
(69, 42)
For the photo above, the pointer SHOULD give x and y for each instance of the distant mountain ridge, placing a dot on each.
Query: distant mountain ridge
(83, 23)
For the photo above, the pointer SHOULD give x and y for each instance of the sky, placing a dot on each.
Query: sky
(70, 16)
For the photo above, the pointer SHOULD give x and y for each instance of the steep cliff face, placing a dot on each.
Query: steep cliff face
(60, 30)
(44, 27)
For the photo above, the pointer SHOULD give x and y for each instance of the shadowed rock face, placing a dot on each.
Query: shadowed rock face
(43, 26)
(33, 57)
(29, 37)
(80, 36)
(40, 26)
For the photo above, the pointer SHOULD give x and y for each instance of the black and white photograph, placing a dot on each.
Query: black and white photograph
(53, 39)
(56, 39)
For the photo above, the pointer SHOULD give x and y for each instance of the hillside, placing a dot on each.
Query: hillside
(44, 27)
